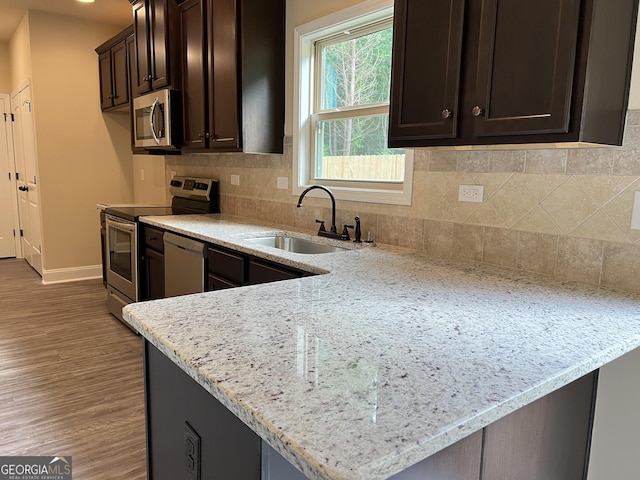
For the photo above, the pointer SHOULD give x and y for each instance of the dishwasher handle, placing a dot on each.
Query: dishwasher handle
(188, 244)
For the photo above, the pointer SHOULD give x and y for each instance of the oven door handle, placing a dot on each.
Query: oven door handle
(152, 115)
(122, 224)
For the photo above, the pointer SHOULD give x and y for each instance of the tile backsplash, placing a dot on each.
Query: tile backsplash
(563, 212)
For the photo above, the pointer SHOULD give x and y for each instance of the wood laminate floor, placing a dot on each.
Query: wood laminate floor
(71, 380)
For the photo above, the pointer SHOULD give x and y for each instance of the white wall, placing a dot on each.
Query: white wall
(615, 449)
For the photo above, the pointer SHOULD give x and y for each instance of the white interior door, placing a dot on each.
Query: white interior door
(27, 181)
(8, 221)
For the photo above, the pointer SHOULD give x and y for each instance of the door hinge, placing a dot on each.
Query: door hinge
(9, 117)
(21, 233)
(17, 176)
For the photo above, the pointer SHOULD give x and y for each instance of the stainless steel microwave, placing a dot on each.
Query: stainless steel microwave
(156, 119)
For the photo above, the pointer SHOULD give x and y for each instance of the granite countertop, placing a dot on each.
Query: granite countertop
(386, 356)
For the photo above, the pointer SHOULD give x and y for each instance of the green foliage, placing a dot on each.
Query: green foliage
(356, 72)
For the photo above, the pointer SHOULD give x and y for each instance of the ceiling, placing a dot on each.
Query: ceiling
(116, 12)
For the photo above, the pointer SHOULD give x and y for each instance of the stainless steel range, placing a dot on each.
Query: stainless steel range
(122, 235)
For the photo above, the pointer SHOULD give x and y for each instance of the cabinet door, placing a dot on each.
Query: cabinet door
(191, 17)
(158, 43)
(223, 75)
(106, 82)
(427, 52)
(265, 272)
(120, 74)
(524, 75)
(155, 274)
(142, 76)
(546, 440)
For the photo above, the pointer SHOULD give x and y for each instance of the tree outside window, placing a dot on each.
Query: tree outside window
(351, 107)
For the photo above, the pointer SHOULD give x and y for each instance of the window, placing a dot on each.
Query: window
(342, 79)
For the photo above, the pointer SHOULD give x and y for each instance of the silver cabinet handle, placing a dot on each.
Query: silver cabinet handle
(477, 111)
(224, 139)
(446, 113)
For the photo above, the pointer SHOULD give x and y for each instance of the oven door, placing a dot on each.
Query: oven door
(122, 254)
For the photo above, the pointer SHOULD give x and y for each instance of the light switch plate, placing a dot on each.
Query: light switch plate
(635, 213)
(235, 179)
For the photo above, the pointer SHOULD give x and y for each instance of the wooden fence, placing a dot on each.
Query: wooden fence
(364, 167)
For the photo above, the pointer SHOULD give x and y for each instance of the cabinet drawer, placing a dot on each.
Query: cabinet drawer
(228, 265)
(153, 238)
(263, 272)
(218, 283)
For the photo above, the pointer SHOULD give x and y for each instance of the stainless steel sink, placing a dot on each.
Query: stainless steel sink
(295, 245)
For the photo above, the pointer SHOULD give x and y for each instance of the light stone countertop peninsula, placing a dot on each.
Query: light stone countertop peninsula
(386, 356)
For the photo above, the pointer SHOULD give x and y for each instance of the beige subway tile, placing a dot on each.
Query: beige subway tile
(438, 238)
(590, 161)
(287, 214)
(537, 252)
(507, 161)
(548, 162)
(569, 205)
(401, 231)
(444, 160)
(602, 189)
(625, 159)
(475, 161)
(621, 266)
(487, 216)
(579, 259)
(512, 201)
(537, 220)
(599, 226)
(467, 242)
(500, 247)
(619, 209)
(421, 159)
(633, 118)
(541, 186)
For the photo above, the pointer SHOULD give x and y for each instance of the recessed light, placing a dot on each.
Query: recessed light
(85, 1)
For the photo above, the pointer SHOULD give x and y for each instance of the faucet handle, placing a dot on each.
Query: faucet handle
(345, 232)
(321, 229)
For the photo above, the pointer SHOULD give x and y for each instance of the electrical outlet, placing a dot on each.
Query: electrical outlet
(470, 193)
(282, 183)
(235, 179)
(635, 212)
(191, 452)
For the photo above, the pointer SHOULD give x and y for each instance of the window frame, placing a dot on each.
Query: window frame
(305, 117)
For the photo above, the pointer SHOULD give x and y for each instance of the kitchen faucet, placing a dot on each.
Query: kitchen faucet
(333, 232)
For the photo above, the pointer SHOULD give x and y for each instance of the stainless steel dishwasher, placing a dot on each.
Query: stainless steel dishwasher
(183, 265)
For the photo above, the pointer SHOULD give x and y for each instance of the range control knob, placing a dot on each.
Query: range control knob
(176, 183)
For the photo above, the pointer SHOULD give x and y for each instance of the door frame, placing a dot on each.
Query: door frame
(5, 104)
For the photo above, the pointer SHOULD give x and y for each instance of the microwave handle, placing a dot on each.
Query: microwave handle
(151, 117)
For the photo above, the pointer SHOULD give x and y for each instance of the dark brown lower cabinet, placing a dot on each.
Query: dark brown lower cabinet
(152, 265)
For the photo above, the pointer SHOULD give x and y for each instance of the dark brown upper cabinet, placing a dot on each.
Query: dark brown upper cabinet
(481, 72)
(114, 71)
(153, 22)
(232, 66)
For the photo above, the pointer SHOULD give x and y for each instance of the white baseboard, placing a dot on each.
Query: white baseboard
(75, 274)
